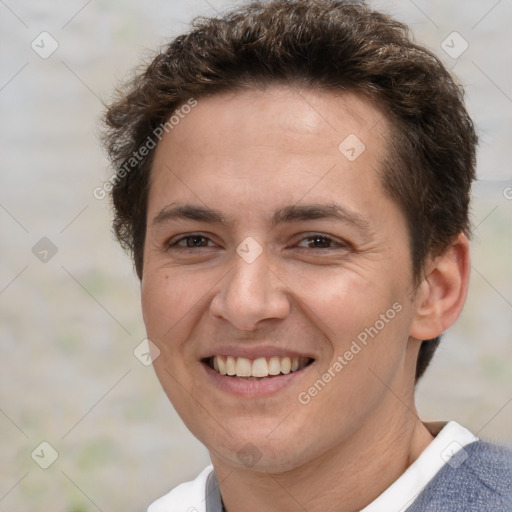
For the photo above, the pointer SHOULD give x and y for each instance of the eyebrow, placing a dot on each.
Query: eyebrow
(335, 211)
(292, 213)
(190, 212)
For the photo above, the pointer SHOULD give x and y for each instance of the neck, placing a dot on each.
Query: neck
(345, 479)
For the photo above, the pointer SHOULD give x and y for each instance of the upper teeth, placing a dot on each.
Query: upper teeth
(261, 367)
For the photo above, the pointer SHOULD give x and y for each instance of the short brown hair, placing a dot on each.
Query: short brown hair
(331, 45)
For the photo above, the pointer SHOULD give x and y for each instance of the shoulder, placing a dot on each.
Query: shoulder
(186, 497)
(491, 464)
(476, 478)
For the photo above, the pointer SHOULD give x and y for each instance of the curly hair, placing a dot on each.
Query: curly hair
(330, 45)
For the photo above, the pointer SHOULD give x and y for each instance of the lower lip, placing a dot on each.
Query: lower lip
(254, 388)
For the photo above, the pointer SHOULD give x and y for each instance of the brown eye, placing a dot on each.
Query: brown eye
(190, 242)
(195, 241)
(319, 242)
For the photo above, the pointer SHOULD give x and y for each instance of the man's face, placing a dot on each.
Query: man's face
(267, 240)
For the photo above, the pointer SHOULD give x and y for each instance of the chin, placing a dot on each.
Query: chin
(259, 449)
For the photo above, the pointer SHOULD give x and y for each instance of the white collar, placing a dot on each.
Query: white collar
(402, 492)
(187, 497)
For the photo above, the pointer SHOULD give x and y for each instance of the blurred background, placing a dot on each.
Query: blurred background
(69, 299)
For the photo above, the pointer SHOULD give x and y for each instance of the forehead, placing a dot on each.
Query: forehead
(295, 115)
(257, 146)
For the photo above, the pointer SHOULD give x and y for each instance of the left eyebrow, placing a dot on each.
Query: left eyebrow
(335, 211)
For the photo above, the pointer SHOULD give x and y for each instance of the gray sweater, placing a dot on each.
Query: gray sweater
(477, 479)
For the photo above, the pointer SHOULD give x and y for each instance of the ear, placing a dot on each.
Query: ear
(442, 293)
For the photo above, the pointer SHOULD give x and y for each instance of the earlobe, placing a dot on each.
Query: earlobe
(442, 293)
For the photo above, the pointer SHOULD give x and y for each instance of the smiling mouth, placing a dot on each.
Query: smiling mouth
(261, 368)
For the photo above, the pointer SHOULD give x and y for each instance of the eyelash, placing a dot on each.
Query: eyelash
(337, 244)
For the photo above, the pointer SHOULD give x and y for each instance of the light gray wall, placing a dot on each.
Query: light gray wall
(69, 325)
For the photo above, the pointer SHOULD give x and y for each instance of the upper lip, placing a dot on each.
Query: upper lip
(252, 353)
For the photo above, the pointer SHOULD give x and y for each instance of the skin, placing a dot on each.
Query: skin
(248, 155)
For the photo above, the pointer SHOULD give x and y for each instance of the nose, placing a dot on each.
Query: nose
(250, 293)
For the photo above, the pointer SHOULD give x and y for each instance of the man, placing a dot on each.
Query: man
(293, 181)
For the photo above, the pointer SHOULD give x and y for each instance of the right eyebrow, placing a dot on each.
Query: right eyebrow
(189, 212)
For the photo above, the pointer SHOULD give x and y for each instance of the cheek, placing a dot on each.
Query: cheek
(165, 301)
(168, 313)
(368, 356)
(154, 300)
(366, 322)
(346, 301)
